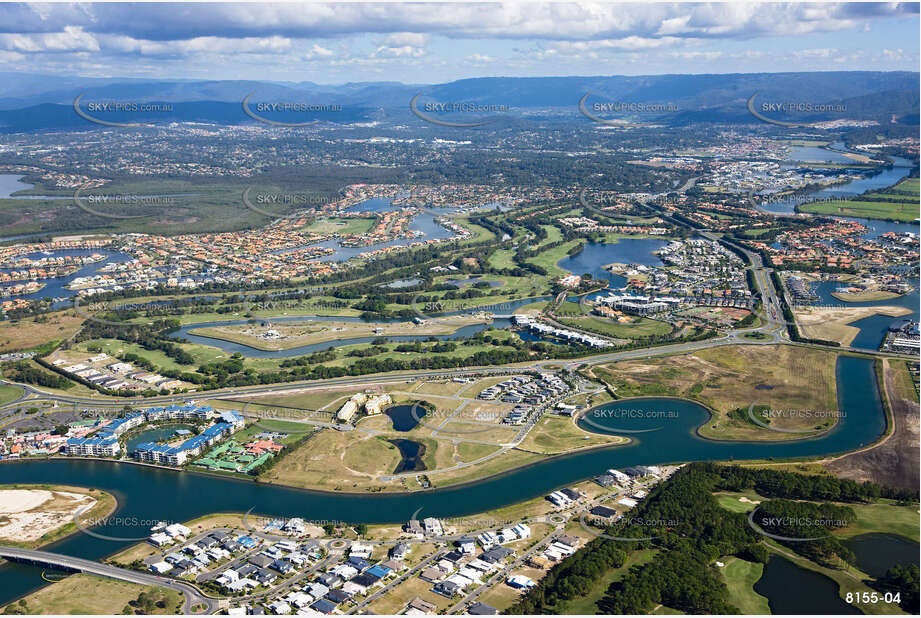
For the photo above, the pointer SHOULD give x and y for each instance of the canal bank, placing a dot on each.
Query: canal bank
(157, 494)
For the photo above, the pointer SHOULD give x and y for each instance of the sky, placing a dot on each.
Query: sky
(335, 43)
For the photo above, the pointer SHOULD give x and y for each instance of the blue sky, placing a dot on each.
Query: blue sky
(437, 42)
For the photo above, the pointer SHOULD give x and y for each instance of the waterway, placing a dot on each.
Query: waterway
(423, 225)
(881, 180)
(55, 287)
(873, 328)
(146, 494)
(814, 153)
(232, 347)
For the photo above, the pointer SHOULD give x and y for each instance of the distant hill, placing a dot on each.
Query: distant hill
(716, 98)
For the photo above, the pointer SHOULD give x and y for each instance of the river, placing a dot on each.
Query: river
(150, 494)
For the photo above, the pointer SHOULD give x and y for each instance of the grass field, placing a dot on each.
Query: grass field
(295, 334)
(906, 209)
(883, 516)
(568, 307)
(731, 377)
(9, 393)
(337, 461)
(31, 332)
(636, 328)
(503, 258)
(548, 259)
(89, 594)
(904, 385)
(559, 434)
(740, 576)
(341, 225)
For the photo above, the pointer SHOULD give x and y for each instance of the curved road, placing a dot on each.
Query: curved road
(191, 595)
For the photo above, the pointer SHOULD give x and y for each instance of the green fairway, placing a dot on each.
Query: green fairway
(885, 516)
(740, 577)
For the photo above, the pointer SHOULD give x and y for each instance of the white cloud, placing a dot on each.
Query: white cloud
(70, 39)
(479, 59)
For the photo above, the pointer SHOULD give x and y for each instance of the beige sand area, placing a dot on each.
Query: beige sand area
(831, 323)
(28, 514)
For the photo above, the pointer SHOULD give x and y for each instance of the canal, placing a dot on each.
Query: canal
(150, 494)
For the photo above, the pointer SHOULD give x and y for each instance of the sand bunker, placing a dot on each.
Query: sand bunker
(28, 514)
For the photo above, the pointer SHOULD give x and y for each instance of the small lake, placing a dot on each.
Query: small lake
(403, 417)
(878, 552)
(459, 283)
(156, 434)
(400, 283)
(791, 589)
(412, 453)
(626, 251)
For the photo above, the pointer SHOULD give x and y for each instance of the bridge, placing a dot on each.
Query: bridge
(192, 596)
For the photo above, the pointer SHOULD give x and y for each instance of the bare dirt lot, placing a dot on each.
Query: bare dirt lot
(831, 323)
(895, 461)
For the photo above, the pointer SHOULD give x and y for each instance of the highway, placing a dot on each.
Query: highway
(192, 596)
